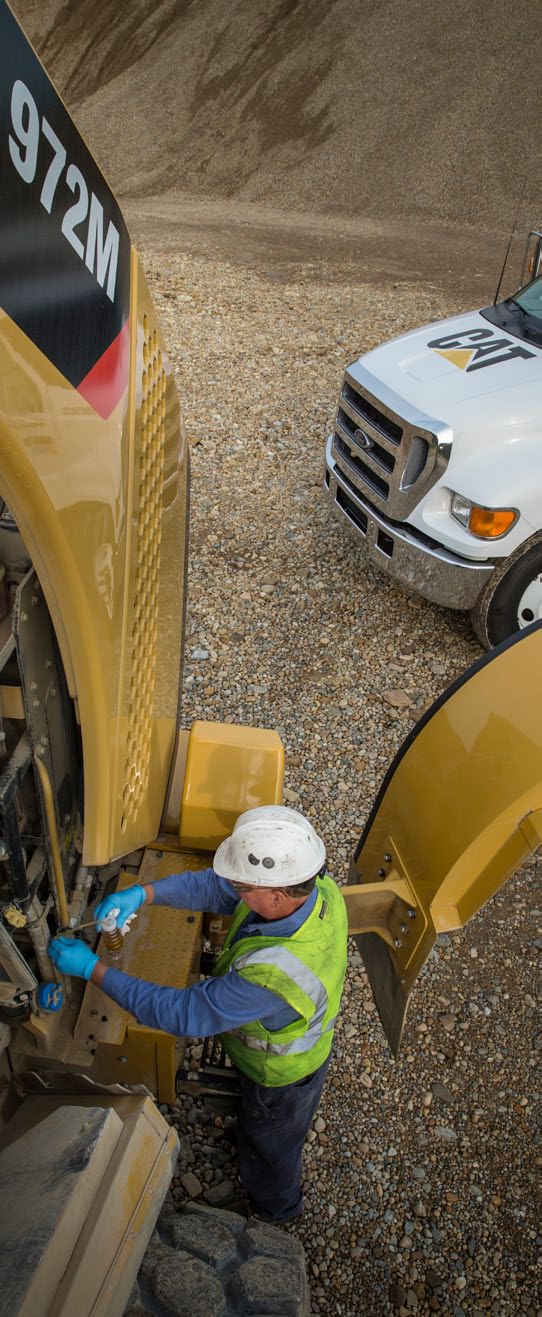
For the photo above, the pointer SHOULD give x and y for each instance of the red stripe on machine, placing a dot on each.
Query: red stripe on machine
(105, 384)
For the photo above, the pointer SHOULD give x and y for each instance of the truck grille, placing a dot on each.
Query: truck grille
(385, 424)
(350, 456)
(386, 458)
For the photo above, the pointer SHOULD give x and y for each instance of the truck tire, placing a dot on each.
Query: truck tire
(512, 598)
(206, 1262)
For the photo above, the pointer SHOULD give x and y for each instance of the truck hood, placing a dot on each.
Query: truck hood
(453, 361)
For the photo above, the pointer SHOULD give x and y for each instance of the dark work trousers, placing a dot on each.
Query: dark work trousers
(271, 1131)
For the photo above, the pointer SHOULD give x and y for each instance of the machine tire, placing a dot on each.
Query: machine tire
(495, 615)
(206, 1262)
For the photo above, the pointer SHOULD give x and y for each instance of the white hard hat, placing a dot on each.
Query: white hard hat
(271, 846)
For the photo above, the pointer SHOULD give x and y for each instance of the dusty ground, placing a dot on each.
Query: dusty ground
(421, 1183)
(466, 263)
(348, 107)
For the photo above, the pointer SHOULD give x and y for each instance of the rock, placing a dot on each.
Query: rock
(447, 1135)
(442, 1093)
(219, 1195)
(192, 1185)
(291, 797)
(447, 1022)
(397, 1295)
(432, 1279)
(397, 698)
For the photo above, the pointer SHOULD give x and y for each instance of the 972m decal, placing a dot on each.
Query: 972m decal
(100, 255)
(64, 247)
(473, 349)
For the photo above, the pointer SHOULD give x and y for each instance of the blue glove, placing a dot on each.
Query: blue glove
(125, 904)
(72, 956)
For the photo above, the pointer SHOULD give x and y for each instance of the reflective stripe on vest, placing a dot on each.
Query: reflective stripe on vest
(303, 1044)
(307, 981)
(306, 970)
(295, 969)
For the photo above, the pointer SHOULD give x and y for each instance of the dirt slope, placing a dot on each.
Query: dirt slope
(383, 108)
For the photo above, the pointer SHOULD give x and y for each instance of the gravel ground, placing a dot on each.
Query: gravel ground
(421, 1174)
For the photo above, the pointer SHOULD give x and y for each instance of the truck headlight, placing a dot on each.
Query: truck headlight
(485, 523)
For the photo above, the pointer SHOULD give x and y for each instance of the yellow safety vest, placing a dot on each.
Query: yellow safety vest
(307, 970)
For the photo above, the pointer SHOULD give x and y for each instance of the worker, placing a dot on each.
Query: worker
(275, 991)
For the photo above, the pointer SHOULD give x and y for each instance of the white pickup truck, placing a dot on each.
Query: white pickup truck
(435, 463)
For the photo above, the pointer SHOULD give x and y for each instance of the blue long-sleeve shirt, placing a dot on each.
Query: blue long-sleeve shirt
(216, 1005)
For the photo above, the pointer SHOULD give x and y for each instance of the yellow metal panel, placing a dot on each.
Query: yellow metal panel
(163, 947)
(228, 769)
(457, 814)
(101, 506)
(154, 588)
(531, 827)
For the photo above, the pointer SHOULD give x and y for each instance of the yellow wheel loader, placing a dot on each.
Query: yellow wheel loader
(99, 786)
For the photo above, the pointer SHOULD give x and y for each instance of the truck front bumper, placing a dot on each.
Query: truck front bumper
(413, 560)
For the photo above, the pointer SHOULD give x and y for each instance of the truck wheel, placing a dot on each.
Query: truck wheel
(206, 1262)
(512, 598)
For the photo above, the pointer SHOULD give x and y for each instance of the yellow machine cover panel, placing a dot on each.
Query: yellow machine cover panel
(93, 464)
(458, 812)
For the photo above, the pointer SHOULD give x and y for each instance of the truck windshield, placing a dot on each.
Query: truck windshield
(520, 314)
